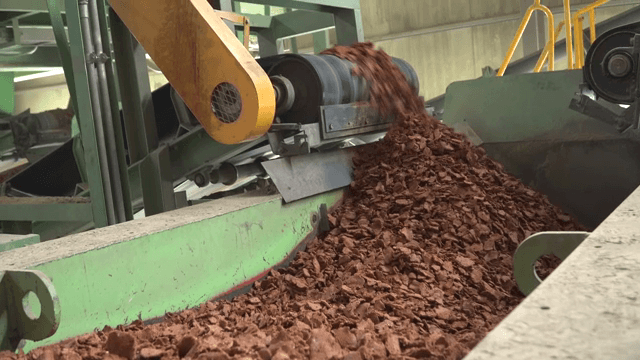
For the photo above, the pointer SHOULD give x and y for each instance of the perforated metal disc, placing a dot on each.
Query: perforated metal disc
(226, 102)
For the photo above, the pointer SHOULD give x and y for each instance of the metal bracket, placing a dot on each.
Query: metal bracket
(558, 243)
(17, 320)
(625, 122)
(277, 136)
(97, 58)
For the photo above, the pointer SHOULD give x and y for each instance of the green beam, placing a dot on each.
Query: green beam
(84, 114)
(40, 19)
(258, 21)
(23, 5)
(168, 262)
(6, 140)
(7, 93)
(320, 41)
(10, 241)
(45, 212)
(300, 22)
(44, 57)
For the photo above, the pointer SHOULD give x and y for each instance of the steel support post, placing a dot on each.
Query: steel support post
(157, 183)
(321, 41)
(57, 23)
(85, 116)
(117, 136)
(135, 91)
(267, 43)
(107, 113)
(349, 28)
(7, 93)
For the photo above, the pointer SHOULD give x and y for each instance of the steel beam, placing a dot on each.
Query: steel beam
(85, 116)
(320, 41)
(300, 22)
(157, 184)
(196, 149)
(100, 275)
(23, 5)
(349, 28)
(267, 42)
(40, 19)
(135, 91)
(44, 57)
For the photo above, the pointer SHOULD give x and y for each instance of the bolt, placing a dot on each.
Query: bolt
(330, 126)
(619, 65)
(199, 180)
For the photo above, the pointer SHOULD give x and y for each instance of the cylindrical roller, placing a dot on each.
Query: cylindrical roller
(228, 173)
(325, 80)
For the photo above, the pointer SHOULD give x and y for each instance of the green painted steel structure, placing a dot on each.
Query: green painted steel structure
(7, 93)
(169, 262)
(151, 170)
(524, 122)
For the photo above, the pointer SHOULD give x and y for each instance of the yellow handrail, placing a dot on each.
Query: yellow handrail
(578, 37)
(577, 21)
(579, 42)
(592, 16)
(527, 16)
(550, 44)
(567, 25)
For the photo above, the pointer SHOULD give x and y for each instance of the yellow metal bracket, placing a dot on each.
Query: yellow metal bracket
(216, 76)
(238, 19)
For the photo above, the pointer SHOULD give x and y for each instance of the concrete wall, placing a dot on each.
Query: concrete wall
(442, 55)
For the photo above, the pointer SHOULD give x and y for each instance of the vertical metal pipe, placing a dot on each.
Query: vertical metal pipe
(110, 138)
(85, 26)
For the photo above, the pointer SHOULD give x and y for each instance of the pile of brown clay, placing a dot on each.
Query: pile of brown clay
(418, 263)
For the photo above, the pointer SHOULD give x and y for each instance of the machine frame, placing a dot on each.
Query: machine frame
(116, 80)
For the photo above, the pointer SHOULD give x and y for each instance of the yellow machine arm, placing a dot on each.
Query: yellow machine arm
(218, 79)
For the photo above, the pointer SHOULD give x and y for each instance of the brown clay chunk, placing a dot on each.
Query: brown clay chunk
(418, 263)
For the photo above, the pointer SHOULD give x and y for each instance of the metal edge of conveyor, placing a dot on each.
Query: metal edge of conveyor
(588, 308)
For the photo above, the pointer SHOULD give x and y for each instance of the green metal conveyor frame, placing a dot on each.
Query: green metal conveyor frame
(169, 262)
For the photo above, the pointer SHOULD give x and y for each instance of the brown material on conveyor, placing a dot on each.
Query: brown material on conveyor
(418, 263)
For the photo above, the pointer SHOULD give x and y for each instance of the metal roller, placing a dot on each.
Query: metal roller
(318, 80)
(611, 65)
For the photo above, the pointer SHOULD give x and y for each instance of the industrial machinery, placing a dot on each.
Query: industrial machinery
(224, 116)
(227, 122)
